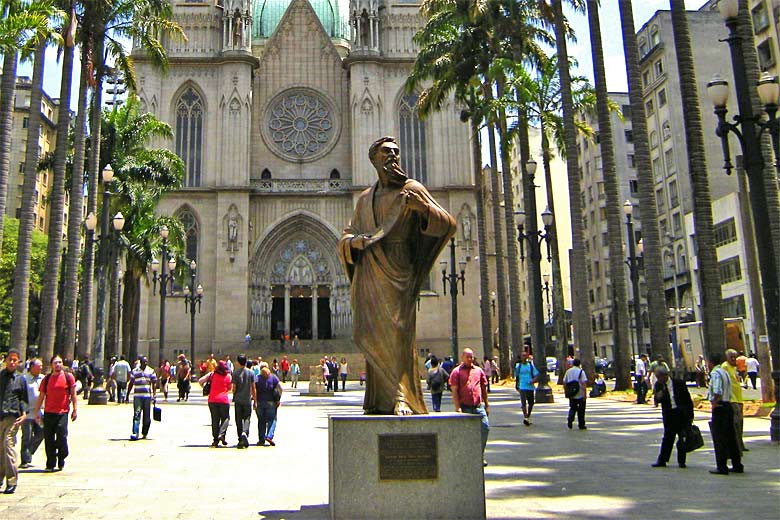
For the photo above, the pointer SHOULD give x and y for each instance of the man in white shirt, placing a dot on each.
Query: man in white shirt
(677, 414)
(724, 435)
(120, 373)
(640, 377)
(32, 431)
(576, 403)
(752, 369)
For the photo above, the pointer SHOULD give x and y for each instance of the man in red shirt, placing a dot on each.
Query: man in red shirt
(58, 389)
(469, 392)
(285, 366)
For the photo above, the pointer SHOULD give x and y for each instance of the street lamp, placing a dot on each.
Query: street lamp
(634, 265)
(493, 302)
(535, 236)
(102, 278)
(748, 128)
(453, 278)
(166, 283)
(546, 281)
(190, 300)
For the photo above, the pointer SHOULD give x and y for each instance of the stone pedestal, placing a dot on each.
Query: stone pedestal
(420, 466)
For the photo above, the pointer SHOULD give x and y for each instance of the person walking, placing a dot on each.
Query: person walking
(32, 431)
(488, 369)
(267, 397)
(120, 373)
(86, 376)
(57, 393)
(576, 403)
(243, 380)
(219, 401)
(640, 379)
(143, 384)
(677, 414)
(437, 377)
(295, 372)
(469, 393)
(284, 366)
(752, 370)
(333, 370)
(526, 376)
(164, 378)
(343, 373)
(13, 408)
(183, 373)
(724, 434)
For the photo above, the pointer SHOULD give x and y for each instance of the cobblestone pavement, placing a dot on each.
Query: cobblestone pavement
(541, 471)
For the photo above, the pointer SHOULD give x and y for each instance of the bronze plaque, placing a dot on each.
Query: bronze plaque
(408, 457)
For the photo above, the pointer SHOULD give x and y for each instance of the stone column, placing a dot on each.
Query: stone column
(314, 325)
(286, 309)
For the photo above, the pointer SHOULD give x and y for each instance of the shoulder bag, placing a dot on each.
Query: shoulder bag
(572, 388)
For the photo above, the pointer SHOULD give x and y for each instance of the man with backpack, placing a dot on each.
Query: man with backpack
(86, 376)
(574, 382)
(58, 390)
(437, 377)
(526, 375)
(119, 373)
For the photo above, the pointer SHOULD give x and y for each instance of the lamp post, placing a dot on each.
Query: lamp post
(493, 302)
(546, 281)
(748, 129)
(453, 278)
(165, 280)
(535, 236)
(191, 299)
(634, 265)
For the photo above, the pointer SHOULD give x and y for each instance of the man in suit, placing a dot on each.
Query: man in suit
(677, 413)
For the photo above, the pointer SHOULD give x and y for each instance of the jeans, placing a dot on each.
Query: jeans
(8, 450)
(479, 410)
(55, 436)
(121, 391)
(266, 419)
(753, 376)
(184, 388)
(343, 381)
(220, 420)
(243, 419)
(641, 389)
(576, 406)
(32, 436)
(436, 398)
(142, 404)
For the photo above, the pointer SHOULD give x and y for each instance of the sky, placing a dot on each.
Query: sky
(610, 30)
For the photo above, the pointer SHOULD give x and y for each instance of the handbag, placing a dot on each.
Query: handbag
(691, 438)
(157, 413)
(572, 388)
(207, 387)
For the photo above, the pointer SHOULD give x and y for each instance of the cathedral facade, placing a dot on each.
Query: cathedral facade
(274, 104)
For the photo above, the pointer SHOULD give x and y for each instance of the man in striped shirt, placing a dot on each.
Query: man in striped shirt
(143, 382)
(724, 434)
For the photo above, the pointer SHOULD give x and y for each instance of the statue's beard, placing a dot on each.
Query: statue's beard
(394, 175)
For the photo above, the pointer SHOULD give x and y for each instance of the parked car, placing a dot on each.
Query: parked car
(552, 365)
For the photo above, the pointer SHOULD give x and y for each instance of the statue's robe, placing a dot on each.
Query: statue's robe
(386, 278)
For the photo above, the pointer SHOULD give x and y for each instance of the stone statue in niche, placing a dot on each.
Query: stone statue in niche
(238, 30)
(396, 233)
(466, 219)
(232, 225)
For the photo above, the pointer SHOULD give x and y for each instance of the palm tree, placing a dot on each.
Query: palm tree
(21, 292)
(617, 273)
(709, 275)
(653, 255)
(581, 312)
(57, 196)
(19, 21)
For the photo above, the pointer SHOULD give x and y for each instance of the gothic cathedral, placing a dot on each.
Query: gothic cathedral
(274, 104)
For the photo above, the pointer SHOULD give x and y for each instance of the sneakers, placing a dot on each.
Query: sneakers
(25, 465)
(134, 437)
(658, 465)
(526, 422)
(569, 424)
(270, 441)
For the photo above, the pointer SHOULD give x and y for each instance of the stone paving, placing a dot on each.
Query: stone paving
(542, 471)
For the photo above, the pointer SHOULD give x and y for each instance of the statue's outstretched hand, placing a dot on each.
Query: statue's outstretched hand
(415, 202)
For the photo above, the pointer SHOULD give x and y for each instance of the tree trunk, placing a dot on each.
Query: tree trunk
(21, 290)
(131, 305)
(709, 275)
(504, 362)
(583, 337)
(772, 199)
(112, 321)
(559, 312)
(512, 253)
(56, 213)
(93, 172)
(484, 280)
(66, 339)
(7, 92)
(653, 250)
(617, 267)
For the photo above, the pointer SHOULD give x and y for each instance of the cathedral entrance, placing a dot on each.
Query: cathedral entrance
(296, 285)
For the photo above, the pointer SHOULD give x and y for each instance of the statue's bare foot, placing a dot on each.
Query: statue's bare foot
(401, 408)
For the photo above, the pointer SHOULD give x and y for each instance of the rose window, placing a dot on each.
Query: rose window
(300, 125)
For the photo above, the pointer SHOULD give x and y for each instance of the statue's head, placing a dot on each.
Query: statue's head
(384, 154)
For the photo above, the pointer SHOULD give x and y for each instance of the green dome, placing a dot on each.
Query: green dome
(334, 15)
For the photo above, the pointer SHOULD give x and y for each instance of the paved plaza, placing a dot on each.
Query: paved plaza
(542, 471)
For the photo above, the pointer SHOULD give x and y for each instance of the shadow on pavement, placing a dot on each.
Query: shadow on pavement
(304, 513)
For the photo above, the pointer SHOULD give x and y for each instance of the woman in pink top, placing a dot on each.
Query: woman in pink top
(219, 402)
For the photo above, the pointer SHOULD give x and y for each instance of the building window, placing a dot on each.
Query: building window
(626, 110)
(660, 200)
(671, 168)
(189, 135)
(725, 232)
(191, 234)
(634, 185)
(674, 196)
(412, 140)
(730, 270)
(25, 122)
(265, 174)
(655, 37)
(760, 17)
(630, 160)
(629, 135)
(666, 128)
(677, 224)
(642, 48)
(766, 58)
(661, 97)
(649, 108)
(658, 171)
(646, 78)
(659, 68)
(734, 307)
(653, 139)
(682, 264)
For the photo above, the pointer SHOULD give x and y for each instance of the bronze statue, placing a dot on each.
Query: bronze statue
(396, 234)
